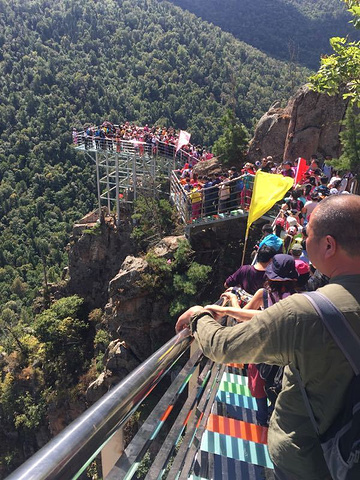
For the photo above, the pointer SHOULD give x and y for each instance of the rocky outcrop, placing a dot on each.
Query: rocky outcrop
(96, 253)
(315, 125)
(270, 134)
(136, 315)
(120, 361)
(210, 167)
(309, 124)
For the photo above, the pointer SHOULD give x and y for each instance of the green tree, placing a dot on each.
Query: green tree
(64, 336)
(154, 220)
(231, 145)
(341, 71)
(350, 139)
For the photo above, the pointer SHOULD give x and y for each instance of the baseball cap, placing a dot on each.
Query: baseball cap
(301, 267)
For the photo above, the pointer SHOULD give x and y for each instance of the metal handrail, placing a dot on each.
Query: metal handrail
(121, 146)
(211, 207)
(65, 455)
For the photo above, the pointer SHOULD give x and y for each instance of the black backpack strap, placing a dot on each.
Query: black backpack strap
(339, 328)
(265, 298)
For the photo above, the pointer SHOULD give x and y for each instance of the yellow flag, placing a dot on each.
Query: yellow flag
(268, 189)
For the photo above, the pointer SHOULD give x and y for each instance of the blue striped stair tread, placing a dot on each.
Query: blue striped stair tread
(236, 448)
(231, 411)
(236, 400)
(227, 468)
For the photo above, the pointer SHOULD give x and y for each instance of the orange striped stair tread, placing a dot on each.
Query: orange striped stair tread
(236, 365)
(237, 428)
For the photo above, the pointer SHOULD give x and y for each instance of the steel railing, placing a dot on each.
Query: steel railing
(66, 456)
(210, 204)
(92, 143)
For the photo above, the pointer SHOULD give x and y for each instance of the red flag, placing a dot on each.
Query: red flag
(301, 169)
(184, 139)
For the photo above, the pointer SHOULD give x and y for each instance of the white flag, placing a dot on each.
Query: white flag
(184, 139)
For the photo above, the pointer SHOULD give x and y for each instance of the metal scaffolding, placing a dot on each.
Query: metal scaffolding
(124, 169)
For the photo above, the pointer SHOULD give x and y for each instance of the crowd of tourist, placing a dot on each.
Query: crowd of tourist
(146, 139)
(298, 363)
(281, 266)
(229, 190)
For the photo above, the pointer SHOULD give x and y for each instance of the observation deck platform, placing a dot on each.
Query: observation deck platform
(127, 169)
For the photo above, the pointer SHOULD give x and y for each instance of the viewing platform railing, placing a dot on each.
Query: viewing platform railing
(133, 147)
(127, 167)
(227, 199)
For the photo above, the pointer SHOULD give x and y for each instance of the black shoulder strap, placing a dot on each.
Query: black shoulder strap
(339, 328)
(265, 298)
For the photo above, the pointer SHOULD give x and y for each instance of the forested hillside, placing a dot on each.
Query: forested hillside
(292, 30)
(63, 64)
(66, 63)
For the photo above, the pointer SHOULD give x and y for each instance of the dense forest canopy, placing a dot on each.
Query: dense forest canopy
(66, 63)
(292, 30)
(62, 65)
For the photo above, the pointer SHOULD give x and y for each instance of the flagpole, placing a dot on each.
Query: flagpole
(245, 245)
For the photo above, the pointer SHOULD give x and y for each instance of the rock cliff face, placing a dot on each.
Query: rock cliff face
(309, 124)
(96, 253)
(138, 319)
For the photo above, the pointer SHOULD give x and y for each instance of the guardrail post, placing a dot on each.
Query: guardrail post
(112, 451)
(98, 183)
(193, 382)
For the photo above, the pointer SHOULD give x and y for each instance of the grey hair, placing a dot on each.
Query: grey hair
(339, 217)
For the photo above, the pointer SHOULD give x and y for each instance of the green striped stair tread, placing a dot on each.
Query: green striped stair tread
(236, 448)
(234, 388)
(233, 378)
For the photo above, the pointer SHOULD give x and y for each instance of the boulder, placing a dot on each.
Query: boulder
(208, 167)
(309, 124)
(270, 134)
(315, 125)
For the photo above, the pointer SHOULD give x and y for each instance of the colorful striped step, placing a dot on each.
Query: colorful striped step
(217, 467)
(236, 400)
(236, 428)
(234, 388)
(237, 413)
(240, 366)
(234, 378)
(236, 448)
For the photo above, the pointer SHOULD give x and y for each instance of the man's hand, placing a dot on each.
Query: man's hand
(184, 319)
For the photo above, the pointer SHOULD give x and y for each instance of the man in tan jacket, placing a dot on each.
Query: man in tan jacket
(290, 333)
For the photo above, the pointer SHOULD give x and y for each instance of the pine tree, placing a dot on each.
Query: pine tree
(231, 145)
